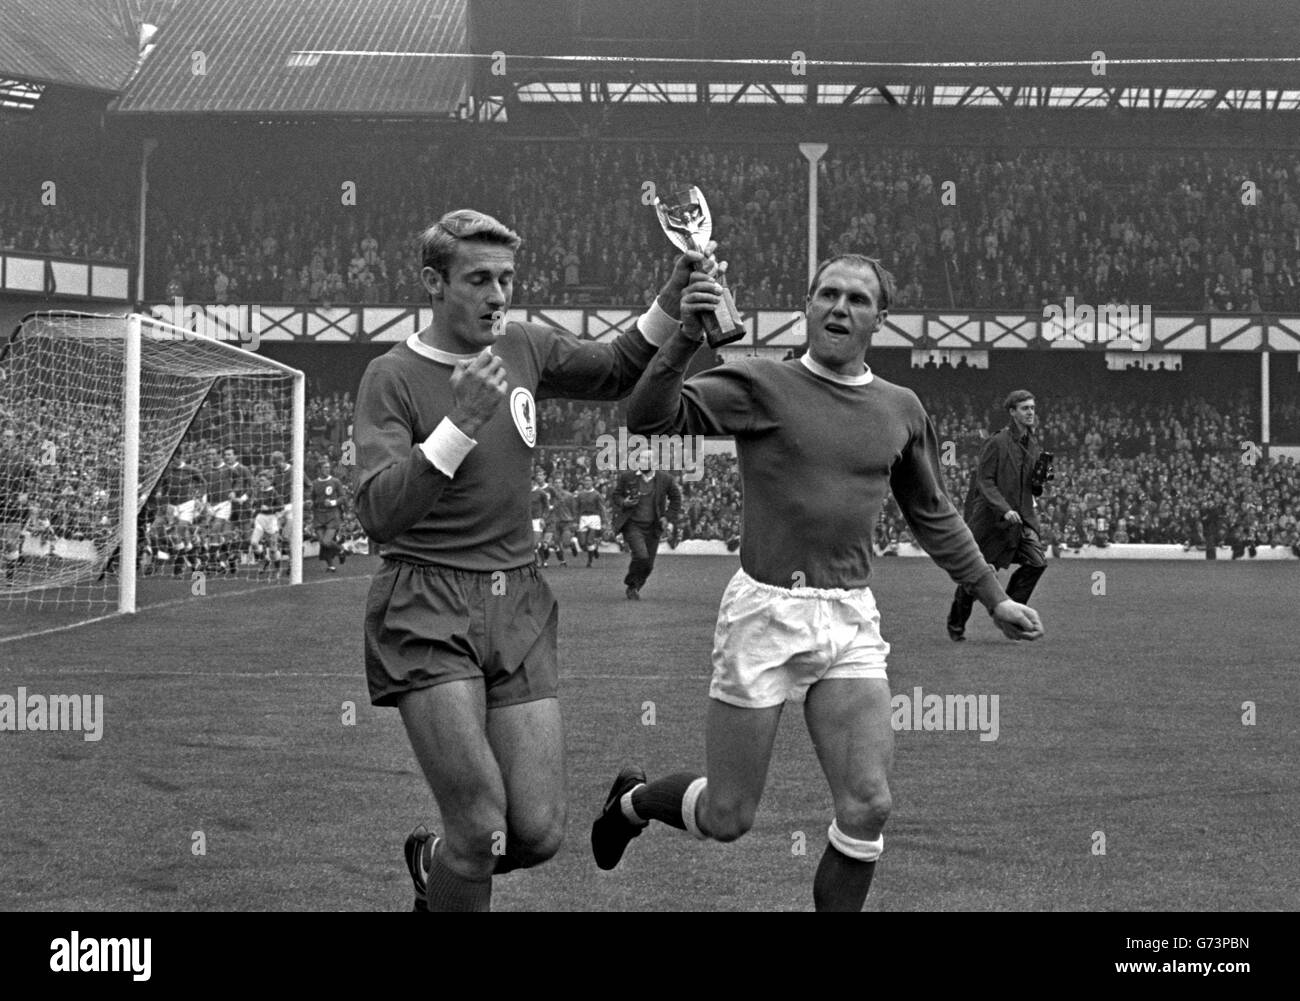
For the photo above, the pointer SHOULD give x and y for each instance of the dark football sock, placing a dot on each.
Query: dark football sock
(841, 883)
(661, 799)
(448, 892)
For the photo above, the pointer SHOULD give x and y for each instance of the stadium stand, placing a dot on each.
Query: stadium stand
(1032, 226)
(271, 163)
(1128, 470)
(1002, 223)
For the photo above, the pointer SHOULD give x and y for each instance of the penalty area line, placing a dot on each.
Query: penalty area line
(165, 604)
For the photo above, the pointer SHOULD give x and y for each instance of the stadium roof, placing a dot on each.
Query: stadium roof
(1158, 54)
(71, 43)
(441, 58)
(242, 57)
(1244, 43)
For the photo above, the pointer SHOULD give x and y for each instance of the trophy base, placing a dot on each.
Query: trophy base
(723, 325)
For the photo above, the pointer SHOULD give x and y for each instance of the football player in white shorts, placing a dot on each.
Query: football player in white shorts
(590, 524)
(798, 622)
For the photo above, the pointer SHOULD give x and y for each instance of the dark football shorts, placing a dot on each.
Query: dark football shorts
(428, 625)
(331, 520)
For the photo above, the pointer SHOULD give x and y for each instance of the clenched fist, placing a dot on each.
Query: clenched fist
(684, 268)
(1017, 621)
(477, 386)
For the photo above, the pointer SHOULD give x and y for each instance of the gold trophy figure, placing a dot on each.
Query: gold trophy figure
(687, 222)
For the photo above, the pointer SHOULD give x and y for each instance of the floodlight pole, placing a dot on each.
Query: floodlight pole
(1265, 401)
(149, 146)
(813, 152)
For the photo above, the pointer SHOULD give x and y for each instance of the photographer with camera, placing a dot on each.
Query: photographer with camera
(999, 507)
(647, 505)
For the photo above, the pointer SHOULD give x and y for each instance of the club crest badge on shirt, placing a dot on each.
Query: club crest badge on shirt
(524, 411)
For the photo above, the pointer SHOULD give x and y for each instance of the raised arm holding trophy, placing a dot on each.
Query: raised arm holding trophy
(687, 222)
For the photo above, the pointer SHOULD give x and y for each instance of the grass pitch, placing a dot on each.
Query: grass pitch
(223, 715)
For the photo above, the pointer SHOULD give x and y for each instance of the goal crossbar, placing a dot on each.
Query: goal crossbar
(131, 427)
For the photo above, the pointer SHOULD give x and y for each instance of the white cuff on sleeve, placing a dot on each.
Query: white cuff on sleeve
(656, 325)
(447, 447)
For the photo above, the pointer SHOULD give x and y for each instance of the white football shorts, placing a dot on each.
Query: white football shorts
(264, 525)
(589, 522)
(772, 644)
(186, 512)
(221, 512)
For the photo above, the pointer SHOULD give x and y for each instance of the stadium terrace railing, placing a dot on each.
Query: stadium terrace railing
(952, 329)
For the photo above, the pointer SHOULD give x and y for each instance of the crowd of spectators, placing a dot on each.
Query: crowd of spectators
(1135, 470)
(562, 422)
(1139, 468)
(96, 234)
(77, 460)
(76, 449)
(1174, 231)
(971, 228)
(65, 220)
(960, 227)
(1130, 469)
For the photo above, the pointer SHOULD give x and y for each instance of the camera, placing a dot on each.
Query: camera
(1043, 472)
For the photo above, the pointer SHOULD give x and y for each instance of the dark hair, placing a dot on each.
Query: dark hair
(885, 279)
(438, 242)
(1017, 397)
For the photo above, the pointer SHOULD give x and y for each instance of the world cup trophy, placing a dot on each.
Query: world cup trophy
(686, 221)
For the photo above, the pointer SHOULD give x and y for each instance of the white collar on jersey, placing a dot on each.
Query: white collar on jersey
(818, 369)
(435, 354)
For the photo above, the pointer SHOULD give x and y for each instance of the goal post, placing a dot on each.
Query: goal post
(138, 449)
(126, 600)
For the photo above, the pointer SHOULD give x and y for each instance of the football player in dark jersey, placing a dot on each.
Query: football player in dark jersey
(327, 502)
(798, 622)
(461, 626)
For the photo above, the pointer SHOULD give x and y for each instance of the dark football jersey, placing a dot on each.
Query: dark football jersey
(326, 497)
(269, 500)
(539, 502)
(477, 519)
(844, 442)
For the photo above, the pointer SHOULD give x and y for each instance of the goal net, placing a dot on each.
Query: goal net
(212, 433)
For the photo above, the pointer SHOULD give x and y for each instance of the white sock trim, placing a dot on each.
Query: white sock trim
(855, 848)
(629, 811)
(689, 800)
